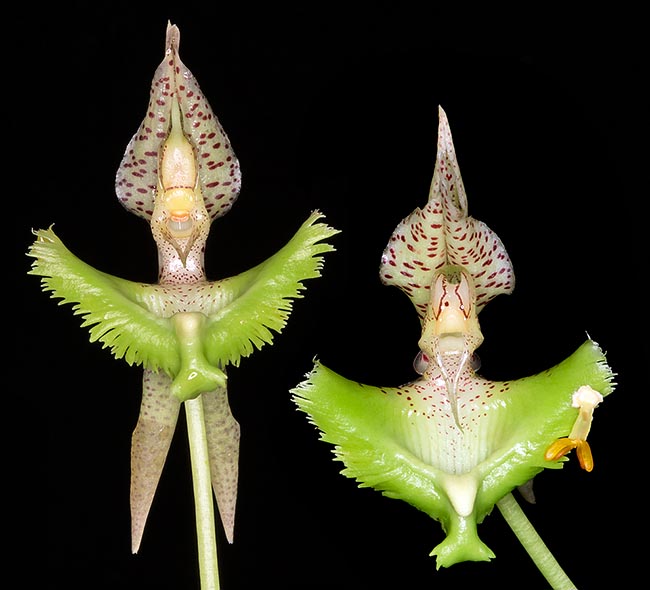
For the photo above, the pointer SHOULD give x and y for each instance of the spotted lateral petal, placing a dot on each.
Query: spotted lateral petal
(218, 168)
(442, 234)
(406, 442)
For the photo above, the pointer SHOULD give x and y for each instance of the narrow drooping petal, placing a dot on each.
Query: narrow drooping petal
(218, 168)
(149, 447)
(223, 447)
(442, 233)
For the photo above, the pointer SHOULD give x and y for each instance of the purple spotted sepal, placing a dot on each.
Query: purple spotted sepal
(442, 233)
(219, 177)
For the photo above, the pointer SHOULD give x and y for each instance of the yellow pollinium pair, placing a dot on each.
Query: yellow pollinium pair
(585, 399)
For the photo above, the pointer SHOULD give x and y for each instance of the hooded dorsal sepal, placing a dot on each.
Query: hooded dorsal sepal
(219, 176)
(442, 233)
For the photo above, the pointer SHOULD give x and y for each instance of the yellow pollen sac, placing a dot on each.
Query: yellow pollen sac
(451, 321)
(179, 215)
(585, 399)
(585, 458)
(561, 446)
(558, 448)
(179, 202)
(452, 304)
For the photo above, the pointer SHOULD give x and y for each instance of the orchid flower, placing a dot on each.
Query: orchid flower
(180, 173)
(450, 442)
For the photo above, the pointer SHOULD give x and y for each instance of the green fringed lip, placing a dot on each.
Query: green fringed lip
(402, 442)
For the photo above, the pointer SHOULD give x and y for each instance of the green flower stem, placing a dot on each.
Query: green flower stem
(532, 542)
(203, 503)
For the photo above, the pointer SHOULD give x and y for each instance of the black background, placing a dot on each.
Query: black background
(330, 107)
